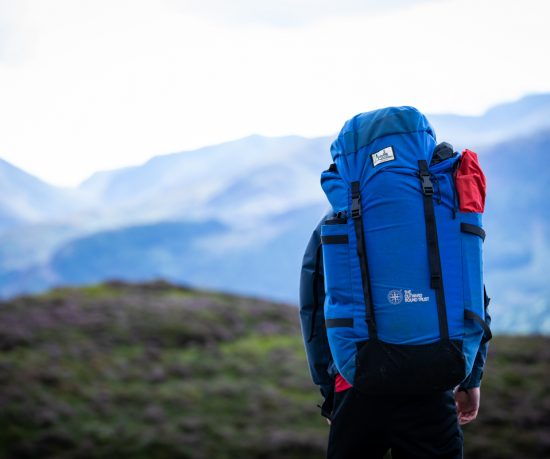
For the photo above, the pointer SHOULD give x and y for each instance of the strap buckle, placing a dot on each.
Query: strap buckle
(427, 185)
(355, 200)
(355, 206)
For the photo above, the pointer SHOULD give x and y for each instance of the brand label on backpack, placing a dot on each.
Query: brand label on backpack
(397, 296)
(382, 156)
(411, 297)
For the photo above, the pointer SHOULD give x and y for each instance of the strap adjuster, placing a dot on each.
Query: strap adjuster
(356, 207)
(427, 185)
(355, 200)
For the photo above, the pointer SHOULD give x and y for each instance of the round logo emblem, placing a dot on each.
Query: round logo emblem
(395, 296)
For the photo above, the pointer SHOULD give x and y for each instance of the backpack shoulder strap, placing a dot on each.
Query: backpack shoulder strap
(433, 247)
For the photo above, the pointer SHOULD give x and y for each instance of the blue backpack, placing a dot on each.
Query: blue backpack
(405, 301)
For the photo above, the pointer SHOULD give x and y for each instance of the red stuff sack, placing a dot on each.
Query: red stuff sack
(470, 183)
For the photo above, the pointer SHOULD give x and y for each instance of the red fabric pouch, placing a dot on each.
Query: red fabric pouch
(341, 384)
(470, 183)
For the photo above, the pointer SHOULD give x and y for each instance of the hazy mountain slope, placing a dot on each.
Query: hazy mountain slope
(248, 178)
(265, 195)
(517, 220)
(35, 218)
(9, 218)
(162, 250)
(502, 122)
(239, 181)
(26, 199)
(262, 259)
(27, 245)
(258, 176)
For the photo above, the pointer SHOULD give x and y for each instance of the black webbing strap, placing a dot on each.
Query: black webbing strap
(316, 276)
(487, 335)
(334, 239)
(436, 278)
(473, 229)
(339, 323)
(362, 254)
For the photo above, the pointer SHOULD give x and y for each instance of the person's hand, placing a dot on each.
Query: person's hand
(328, 421)
(467, 405)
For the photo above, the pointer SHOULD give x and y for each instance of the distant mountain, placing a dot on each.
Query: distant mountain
(239, 182)
(245, 179)
(502, 122)
(237, 216)
(261, 260)
(35, 218)
(257, 176)
(163, 250)
(517, 221)
(26, 199)
(264, 258)
(10, 218)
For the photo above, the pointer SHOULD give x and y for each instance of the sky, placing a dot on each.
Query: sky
(88, 85)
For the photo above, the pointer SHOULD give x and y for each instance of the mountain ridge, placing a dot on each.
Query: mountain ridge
(25, 198)
(266, 196)
(498, 113)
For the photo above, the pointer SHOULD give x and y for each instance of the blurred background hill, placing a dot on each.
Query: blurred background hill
(162, 371)
(236, 216)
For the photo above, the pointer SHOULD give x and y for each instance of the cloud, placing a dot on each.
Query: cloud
(285, 13)
(109, 83)
(12, 42)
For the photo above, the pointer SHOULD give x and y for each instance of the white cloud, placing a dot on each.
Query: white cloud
(285, 13)
(92, 85)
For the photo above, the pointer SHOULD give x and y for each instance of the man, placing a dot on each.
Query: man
(367, 426)
(403, 304)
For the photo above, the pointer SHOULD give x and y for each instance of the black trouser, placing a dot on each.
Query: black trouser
(413, 426)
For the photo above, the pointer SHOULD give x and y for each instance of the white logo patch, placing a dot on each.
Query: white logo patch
(411, 297)
(382, 156)
(395, 296)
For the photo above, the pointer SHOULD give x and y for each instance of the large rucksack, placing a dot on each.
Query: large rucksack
(404, 304)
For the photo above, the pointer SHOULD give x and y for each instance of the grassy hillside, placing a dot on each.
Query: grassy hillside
(155, 371)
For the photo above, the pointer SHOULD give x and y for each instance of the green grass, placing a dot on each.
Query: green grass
(158, 371)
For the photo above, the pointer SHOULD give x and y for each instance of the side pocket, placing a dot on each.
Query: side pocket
(336, 259)
(470, 183)
(472, 236)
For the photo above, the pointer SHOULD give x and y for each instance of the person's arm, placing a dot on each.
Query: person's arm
(467, 396)
(312, 318)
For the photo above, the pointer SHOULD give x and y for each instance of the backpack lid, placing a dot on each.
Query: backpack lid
(366, 127)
